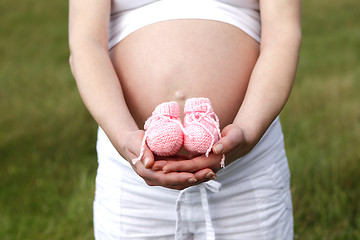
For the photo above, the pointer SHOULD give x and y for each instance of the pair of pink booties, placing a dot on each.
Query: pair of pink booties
(165, 134)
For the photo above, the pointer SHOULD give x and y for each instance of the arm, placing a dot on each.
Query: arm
(101, 90)
(269, 86)
(274, 73)
(91, 66)
(271, 80)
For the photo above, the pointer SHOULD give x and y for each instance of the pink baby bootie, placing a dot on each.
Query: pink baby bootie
(201, 126)
(164, 131)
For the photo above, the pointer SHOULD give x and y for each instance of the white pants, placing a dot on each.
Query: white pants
(250, 199)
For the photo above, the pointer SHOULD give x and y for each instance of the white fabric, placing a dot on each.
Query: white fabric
(249, 200)
(129, 15)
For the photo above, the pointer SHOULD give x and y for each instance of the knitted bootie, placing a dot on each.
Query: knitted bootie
(201, 126)
(164, 131)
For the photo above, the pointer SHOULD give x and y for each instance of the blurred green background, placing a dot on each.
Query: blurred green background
(47, 138)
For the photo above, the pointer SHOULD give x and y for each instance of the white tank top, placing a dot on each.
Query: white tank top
(128, 16)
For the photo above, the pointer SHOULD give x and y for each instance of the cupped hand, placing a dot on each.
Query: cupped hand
(158, 177)
(196, 165)
(234, 143)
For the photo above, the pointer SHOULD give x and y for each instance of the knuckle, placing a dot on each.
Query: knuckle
(236, 138)
(229, 142)
(150, 183)
(139, 172)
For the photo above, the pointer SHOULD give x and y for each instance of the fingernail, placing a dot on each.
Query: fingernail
(147, 161)
(192, 180)
(210, 175)
(218, 148)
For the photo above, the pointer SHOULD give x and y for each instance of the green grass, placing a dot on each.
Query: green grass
(322, 123)
(47, 138)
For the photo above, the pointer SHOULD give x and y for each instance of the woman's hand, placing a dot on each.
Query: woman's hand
(145, 168)
(197, 165)
(234, 144)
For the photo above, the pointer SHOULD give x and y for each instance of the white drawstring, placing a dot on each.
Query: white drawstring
(212, 186)
(179, 230)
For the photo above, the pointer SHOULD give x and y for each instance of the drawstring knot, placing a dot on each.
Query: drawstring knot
(212, 186)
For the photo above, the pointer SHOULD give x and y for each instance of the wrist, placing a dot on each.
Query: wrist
(123, 139)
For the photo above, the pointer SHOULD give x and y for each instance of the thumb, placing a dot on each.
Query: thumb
(140, 150)
(148, 158)
(232, 137)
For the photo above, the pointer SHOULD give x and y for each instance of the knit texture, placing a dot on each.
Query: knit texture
(163, 131)
(165, 135)
(201, 125)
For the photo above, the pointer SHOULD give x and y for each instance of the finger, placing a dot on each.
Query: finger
(158, 165)
(134, 144)
(173, 180)
(176, 187)
(180, 166)
(232, 136)
(170, 179)
(175, 157)
(205, 175)
(160, 162)
(193, 165)
(148, 158)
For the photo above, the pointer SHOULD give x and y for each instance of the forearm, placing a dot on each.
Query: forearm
(270, 84)
(100, 89)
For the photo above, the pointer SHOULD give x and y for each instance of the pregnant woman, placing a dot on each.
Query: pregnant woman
(129, 56)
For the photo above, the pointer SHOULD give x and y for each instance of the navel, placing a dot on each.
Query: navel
(180, 95)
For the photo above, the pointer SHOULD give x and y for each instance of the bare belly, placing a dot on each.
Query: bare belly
(179, 59)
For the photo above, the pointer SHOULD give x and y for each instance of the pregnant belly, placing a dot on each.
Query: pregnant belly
(179, 59)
